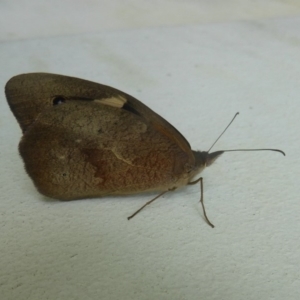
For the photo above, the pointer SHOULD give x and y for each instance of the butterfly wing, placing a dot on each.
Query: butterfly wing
(83, 139)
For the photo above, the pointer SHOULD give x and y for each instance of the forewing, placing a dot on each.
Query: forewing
(30, 94)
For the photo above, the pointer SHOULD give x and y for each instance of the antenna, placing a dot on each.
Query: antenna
(276, 150)
(231, 150)
(223, 131)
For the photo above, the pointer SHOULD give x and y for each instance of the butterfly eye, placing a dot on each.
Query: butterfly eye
(58, 100)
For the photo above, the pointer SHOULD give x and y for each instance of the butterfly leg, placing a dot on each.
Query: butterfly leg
(202, 199)
(149, 202)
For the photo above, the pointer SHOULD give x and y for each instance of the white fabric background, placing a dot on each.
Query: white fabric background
(195, 72)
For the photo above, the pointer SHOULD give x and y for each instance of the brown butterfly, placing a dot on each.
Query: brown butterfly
(83, 139)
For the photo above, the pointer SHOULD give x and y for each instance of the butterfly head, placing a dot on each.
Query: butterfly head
(205, 159)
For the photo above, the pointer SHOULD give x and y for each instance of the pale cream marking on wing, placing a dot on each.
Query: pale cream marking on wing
(117, 101)
(118, 156)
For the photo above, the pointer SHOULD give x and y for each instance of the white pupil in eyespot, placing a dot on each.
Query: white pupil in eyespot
(58, 100)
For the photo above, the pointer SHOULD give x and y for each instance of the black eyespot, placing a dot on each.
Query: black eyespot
(58, 100)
